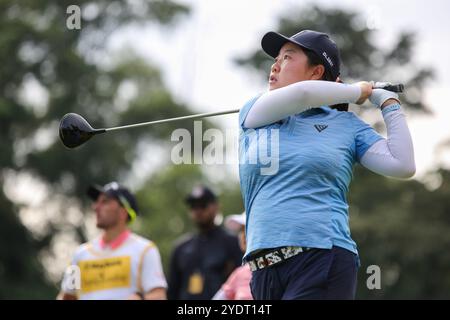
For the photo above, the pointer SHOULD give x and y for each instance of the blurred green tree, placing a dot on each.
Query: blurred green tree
(21, 274)
(48, 71)
(400, 226)
(404, 228)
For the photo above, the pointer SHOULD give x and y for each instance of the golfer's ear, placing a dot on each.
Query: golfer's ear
(318, 72)
(216, 205)
(124, 214)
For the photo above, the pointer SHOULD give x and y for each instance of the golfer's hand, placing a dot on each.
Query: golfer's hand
(383, 98)
(366, 91)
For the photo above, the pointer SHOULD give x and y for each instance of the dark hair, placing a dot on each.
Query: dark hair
(314, 60)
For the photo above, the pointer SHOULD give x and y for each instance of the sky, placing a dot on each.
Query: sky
(197, 57)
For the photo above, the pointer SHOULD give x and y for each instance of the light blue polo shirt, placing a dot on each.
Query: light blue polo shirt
(303, 202)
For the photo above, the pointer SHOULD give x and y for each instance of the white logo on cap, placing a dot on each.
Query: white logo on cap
(197, 192)
(328, 59)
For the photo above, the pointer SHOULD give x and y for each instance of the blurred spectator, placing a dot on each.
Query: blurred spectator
(118, 264)
(237, 287)
(201, 262)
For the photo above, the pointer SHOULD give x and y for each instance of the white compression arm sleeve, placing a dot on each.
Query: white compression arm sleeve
(394, 156)
(278, 104)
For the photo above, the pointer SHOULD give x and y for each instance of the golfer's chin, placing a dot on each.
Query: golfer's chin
(280, 83)
(273, 86)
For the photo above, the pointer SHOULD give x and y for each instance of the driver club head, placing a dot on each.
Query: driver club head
(74, 130)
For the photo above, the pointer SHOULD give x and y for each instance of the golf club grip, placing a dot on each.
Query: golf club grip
(389, 86)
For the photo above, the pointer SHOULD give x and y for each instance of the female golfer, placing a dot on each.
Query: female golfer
(298, 238)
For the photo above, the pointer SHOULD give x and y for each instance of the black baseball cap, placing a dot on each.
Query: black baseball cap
(318, 42)
(200, 196)
(118, 192)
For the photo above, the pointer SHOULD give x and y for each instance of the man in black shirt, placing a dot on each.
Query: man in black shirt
(201, 262)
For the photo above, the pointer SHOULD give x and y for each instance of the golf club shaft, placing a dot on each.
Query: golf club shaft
(195, 116)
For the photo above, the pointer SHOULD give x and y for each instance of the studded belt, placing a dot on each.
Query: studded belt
(274, 256)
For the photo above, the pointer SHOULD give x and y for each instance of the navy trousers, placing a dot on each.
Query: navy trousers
(312, 275)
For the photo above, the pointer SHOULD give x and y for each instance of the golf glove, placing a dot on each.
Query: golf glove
(380, 96)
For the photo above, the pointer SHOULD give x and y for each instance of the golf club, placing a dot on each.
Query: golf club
(74, 130)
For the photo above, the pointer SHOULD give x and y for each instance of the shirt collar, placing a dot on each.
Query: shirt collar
(117, 242)
(314, 111)
(326, 109)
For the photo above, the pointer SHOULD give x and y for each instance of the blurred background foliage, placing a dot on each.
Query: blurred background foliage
(401, 226)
